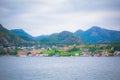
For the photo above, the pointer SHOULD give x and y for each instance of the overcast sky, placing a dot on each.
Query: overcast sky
(38, 17)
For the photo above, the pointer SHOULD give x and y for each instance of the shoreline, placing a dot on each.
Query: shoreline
(53, 56)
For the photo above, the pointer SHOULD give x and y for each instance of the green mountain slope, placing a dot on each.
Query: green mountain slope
(7, 38)
(63, 37)
(22, 34)
(98, 35)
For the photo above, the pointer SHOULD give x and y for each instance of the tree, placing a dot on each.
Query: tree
(2, 51)
(28, 53)
(74, 49)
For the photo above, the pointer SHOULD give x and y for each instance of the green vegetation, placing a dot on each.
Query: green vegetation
(62, 38)
(79, 49)
(67, 50)
(28, 53)
(74, 49)
(50, 52)
(2, 51)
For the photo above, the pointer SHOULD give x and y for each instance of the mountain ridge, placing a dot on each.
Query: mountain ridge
(22, 34)
(94, 34)
(99, 35)
(64, 37)
(7, 38)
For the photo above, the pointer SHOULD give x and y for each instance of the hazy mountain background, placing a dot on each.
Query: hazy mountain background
(93, 35)
(98, 35)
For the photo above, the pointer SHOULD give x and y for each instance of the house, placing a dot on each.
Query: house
(97, 54)
(65, 48)
(105, 54)
(86, 54)
(117, 53)
(10, 49)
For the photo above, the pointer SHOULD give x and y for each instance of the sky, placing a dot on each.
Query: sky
(42, 17)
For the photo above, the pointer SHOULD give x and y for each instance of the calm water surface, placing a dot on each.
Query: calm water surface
(59, 68)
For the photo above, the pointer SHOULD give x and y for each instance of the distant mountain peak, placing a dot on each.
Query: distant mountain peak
(94, 28)
(22, 34)
(97, 34)
(65, 32)
(1, 27)
(18, 30)
(79, 31)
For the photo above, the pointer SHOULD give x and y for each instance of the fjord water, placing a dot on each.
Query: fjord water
(59, 68)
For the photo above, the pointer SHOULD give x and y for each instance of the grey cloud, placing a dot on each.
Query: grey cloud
(41, 14)
(95, 5)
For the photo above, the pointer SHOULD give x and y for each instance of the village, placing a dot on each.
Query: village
(58, 51)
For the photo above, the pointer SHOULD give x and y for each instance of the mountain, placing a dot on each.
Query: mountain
(98, 35)
(79, 32)
(68, 38)
(22, 34)
(64, 37)
(92, 35)
(41, 37)
(7, 38)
